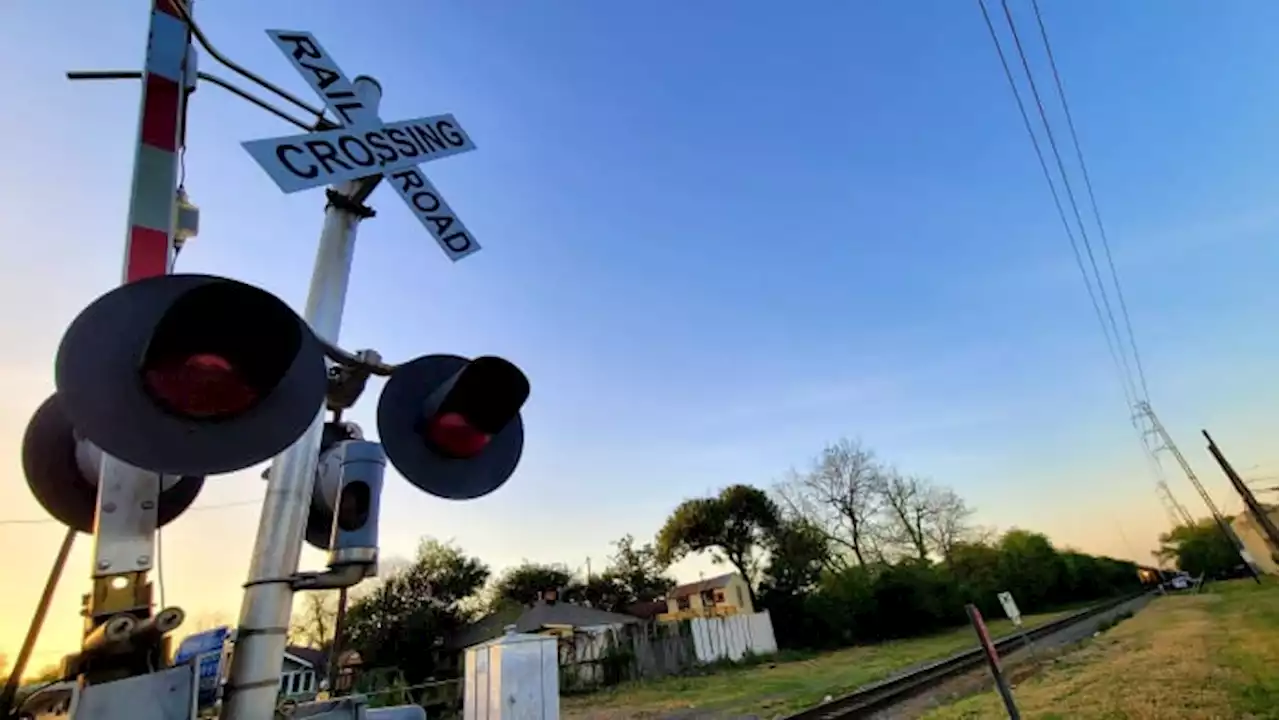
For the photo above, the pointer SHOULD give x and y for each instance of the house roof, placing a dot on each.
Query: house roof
(531, 619)
(694, 588)
(647, 610)
(315, 658)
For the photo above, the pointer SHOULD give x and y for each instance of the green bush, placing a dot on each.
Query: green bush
(881, 601)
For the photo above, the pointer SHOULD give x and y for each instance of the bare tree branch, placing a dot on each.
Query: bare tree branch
(838, 496)
(906, 500)
(949, 520)
(313, 624)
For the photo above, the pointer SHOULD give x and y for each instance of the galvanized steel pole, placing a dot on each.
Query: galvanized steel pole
(251, 688)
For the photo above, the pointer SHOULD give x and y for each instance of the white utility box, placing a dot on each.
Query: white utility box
(514, 677)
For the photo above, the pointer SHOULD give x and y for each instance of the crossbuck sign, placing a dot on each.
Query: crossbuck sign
(365, 146)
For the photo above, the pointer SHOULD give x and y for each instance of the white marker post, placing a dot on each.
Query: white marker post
(1012, 612)
(365, 146)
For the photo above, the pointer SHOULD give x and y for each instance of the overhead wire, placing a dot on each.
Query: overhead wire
(194, 508)
(1057, 200)
(1093, 200)
(1136, 391)
(1109, 326)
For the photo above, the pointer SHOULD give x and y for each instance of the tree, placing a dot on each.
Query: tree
(948, 521)
(839, 497)
(526, 582)
(313, 624)
(634, 573)
(733, 525)
(798, 551)
(906, 499)
(404, 620)
(1030, 568)
(1200, 548)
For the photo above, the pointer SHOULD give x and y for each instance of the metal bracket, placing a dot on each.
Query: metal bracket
(126, 519)
(347, 381)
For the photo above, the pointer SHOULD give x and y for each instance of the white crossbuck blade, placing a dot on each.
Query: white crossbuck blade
(365, 146)
(299, 162)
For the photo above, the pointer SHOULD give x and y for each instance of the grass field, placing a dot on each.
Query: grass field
(775, 688)
(1211, 655)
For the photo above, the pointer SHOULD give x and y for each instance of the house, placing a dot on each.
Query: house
(717, 596)
(546, 616)
(301, 672)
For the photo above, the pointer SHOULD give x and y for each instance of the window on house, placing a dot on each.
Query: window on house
(742, 600)
(295, 680)
(682, 603)
(718, 595)
(284, 683)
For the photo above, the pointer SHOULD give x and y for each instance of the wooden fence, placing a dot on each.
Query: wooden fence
(599, 657)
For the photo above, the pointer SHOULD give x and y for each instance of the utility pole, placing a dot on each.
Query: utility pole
(1260, 516)
(1167, 444)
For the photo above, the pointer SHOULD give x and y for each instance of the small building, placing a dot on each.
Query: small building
(301, 672)
(717, 596)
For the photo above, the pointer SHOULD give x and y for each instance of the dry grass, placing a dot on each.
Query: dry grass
(774, 689)
(1198, 657)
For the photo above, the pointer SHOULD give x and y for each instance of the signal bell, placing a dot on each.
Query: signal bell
(451, 425)
(190, 374)
(62, 472)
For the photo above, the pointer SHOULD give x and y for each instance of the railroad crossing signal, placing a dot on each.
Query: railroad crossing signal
(62, 471)
(190, 374)
(451, 425)
(365, 146)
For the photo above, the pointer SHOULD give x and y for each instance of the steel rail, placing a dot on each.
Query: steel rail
(895, 689)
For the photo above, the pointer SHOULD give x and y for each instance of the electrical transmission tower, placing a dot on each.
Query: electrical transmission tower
(1165, 442)
(1178, 514)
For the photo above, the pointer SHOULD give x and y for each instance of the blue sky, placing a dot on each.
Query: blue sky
(716, 238)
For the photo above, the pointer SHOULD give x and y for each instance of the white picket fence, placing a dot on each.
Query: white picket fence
(733, 636)
(661, 649)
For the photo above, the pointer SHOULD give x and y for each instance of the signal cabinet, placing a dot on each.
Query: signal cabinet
(513, 677)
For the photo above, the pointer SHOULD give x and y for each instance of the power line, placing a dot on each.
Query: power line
(1057, 201)
(1093, 201)
(196, 508)
(1136, 392)
(1110, 325)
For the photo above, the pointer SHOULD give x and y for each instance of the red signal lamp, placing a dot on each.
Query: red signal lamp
(202, 386)
(452, 435)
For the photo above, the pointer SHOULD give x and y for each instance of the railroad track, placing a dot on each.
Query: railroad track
(889, 692)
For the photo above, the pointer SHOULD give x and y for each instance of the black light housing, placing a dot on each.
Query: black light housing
(57, 479)
(451, 425)
(190, 374)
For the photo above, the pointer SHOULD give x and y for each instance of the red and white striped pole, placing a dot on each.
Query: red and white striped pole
(125, 521)
(149, 248)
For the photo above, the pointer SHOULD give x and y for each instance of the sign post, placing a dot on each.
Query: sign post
(352, 160)
(993, 661)
(1011, 611)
